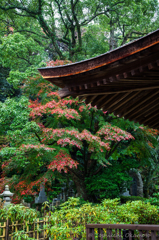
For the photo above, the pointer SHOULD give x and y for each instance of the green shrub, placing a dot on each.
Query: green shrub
(144, 213)
(69, 222)
(153, 200)
(18, 213)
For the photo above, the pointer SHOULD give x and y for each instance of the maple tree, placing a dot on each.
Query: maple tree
(48, 135)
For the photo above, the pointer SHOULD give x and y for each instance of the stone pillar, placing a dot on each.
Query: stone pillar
(134, 173)
(42, 195)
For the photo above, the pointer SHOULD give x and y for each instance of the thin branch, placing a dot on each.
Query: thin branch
(76, 2)
(113, 150)
(28, 31)
(118, 3)
(98, 170)
(129, 35)
(59, 8)
(85, 22)
(24, 59)
(38, 137)
(51, 143)
(20, 8)
(63, 40)
(107, 156)
(23, 15)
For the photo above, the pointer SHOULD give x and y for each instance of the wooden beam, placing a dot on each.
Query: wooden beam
(153, 121)
(103, 103)
(148, 106)
(119, 99)
(152, 73)
(141, 102)
(97, 100)
(105, 74)
(113, 79)
(104, 81)
(131, 95)
(115, 101)
(130, 104)
(141, 69)
(140, 80)
(98, 83)
(118, 76)
(93, 85)
(116, 91)
(156, 124)
(81, 98)
(151, 117)
(89, 99)
(81, 87)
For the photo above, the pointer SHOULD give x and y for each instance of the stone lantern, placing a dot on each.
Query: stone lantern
(6, 196)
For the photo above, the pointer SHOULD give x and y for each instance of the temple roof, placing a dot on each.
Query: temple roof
(124, 81)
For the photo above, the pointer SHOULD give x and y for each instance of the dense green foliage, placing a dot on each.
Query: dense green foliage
(68, 28)
(70, 220)
(18, 213)
(154, 200)
(113, 180)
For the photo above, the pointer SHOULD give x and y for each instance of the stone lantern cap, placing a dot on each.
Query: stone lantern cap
(6, 192)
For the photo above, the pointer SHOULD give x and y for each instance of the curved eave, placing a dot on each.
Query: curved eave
(59, 72)
(124, 81)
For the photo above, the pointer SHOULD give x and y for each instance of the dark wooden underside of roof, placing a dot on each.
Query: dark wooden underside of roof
(124, 81)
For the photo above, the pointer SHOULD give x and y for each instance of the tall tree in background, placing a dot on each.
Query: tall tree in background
(129, 20)
(63, 23)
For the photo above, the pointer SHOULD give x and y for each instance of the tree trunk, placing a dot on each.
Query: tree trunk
(111, 41)
(80, 187)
